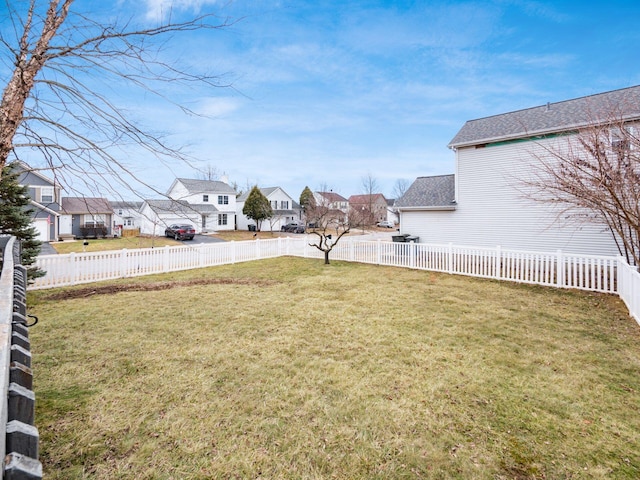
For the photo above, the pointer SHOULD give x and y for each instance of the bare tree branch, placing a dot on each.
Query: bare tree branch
(66, 66)
(596, 175)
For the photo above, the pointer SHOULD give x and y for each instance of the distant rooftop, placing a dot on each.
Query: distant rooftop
(206, 186)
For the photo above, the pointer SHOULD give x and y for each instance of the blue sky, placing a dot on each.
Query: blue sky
(326, 93)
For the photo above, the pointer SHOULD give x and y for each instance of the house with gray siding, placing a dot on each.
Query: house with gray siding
(486, 202)
(84, 217)
(44, 195)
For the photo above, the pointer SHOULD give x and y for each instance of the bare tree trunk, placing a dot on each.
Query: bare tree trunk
(27, 65)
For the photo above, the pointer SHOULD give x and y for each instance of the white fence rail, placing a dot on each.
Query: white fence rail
(558, 269)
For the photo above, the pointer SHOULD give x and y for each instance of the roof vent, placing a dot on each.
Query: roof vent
(548, 106)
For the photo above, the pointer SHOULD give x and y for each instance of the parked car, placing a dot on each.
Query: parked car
(180, 232)
(293, 227)
(385, 224)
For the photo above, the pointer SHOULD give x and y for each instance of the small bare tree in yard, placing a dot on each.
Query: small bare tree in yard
(58, 99)
(597, 174)
(330, 226)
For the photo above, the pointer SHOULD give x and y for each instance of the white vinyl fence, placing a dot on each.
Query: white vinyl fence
(558, 269)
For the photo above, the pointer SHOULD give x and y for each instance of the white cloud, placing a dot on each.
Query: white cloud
(158, 10)
(218, 107)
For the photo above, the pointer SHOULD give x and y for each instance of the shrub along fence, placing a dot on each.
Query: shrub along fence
(556, 269)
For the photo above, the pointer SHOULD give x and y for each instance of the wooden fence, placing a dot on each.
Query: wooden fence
(556, 269)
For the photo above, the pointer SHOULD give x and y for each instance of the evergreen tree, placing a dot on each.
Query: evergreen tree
(257, 207)
(15, 219)
(307, 200)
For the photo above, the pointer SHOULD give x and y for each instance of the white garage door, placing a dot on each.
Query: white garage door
(42, 226)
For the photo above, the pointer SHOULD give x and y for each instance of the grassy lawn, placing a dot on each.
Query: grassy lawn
(287, 368)
(100, 244)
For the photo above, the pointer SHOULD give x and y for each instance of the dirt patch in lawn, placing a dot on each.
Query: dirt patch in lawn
(150, 287)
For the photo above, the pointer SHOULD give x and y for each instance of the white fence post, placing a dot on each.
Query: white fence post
(560, 269)
(413, 246)
(450, 258)
(258, 248)
(379, 252)
(497, 270)
(165, 259)
(72, 268)
(124, 264)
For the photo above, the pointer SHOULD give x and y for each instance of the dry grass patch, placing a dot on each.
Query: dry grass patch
(287, 368)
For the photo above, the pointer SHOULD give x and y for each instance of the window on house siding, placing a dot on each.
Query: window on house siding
(222, 219)
(620, 141)
(223, 199)
(46, 195)
(97, 219)
(205, 198)
(284, 204)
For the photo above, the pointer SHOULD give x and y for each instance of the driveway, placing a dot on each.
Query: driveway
(205, 239)
(47, 249)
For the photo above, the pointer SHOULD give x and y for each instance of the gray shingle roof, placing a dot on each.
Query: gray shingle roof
(332, 197)
(551, 118)
(170, 206)
(206, 186)
(437, 191)
(71, 205)
(265, 191)
(125, 204)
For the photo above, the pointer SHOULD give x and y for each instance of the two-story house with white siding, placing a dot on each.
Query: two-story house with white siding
(486, 202)
(214, 201)
(127, 218)
(45, 201)
(332, 201)
(285, 210)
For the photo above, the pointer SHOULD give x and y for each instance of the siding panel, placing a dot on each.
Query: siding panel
(493, 208)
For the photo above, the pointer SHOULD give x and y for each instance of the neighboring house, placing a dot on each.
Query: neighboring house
(83, 217)
(332, 201)
(215, 202)
(157, 215)
(285, 210)
(392, 211)
(45, 201)
(126, 216)
(486, 203)
(368, 209)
